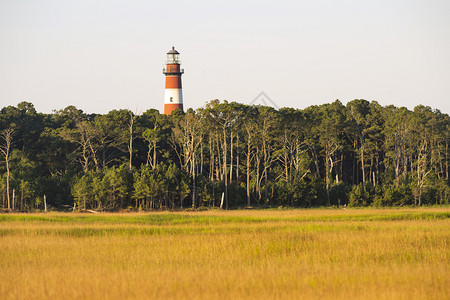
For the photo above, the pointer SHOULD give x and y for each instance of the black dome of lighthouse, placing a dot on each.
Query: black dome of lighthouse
(173, 51)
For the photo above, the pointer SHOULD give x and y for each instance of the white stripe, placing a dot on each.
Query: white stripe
(173, 96)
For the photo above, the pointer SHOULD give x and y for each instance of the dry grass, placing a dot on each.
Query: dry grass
(338, 254)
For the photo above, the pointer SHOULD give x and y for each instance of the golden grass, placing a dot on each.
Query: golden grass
(326, 254)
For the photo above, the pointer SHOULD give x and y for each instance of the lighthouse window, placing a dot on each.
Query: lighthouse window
(170, 69)
(171, 98)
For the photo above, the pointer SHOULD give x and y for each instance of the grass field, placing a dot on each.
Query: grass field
(269, 254)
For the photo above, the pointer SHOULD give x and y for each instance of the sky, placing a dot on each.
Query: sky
(109, 54)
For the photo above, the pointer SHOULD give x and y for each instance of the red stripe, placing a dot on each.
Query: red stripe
(173, 82)
(169, 108)
(175, 68)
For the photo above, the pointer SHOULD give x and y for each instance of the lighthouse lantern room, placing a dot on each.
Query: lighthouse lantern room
(173, 97)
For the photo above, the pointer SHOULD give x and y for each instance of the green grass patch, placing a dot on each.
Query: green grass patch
(174, 219)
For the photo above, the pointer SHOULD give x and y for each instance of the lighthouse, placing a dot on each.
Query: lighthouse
(173, 96)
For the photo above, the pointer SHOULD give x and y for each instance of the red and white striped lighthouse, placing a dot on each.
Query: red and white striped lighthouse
(173, 97)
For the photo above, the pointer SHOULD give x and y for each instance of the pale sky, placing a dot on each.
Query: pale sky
(109, 54)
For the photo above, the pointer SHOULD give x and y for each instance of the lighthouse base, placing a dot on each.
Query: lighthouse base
(169, 108)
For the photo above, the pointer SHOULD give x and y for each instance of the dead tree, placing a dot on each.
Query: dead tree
(5, 148)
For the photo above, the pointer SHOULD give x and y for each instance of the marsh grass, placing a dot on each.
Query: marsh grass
(326, 254)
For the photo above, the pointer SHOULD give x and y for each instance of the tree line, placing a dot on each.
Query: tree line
(224, 155)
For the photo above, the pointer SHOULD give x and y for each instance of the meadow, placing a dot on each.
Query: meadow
(243, 254)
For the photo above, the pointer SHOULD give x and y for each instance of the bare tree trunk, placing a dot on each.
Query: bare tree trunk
(130, 142)
(257, 185)
(225, 167)
(201, 157)
(103, 155)
(211, 160)
(21, 198)
(219, 168)
(85, 158)
(249, 149)
(237, 160)
(231, 158)
(363, 163)
(327, 171)
(248, 174)
(7, 136)
(265, 168)
(193, 192)
(316, 161)
(446, 159)
(421, 169)
(286, 166)
(405, 165)
(94, 155)
(8, 174)
(355, 169)
(155, 162)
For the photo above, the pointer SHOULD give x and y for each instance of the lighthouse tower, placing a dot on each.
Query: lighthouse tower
(173, 97)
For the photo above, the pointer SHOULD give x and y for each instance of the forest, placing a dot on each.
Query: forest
(225, 154)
